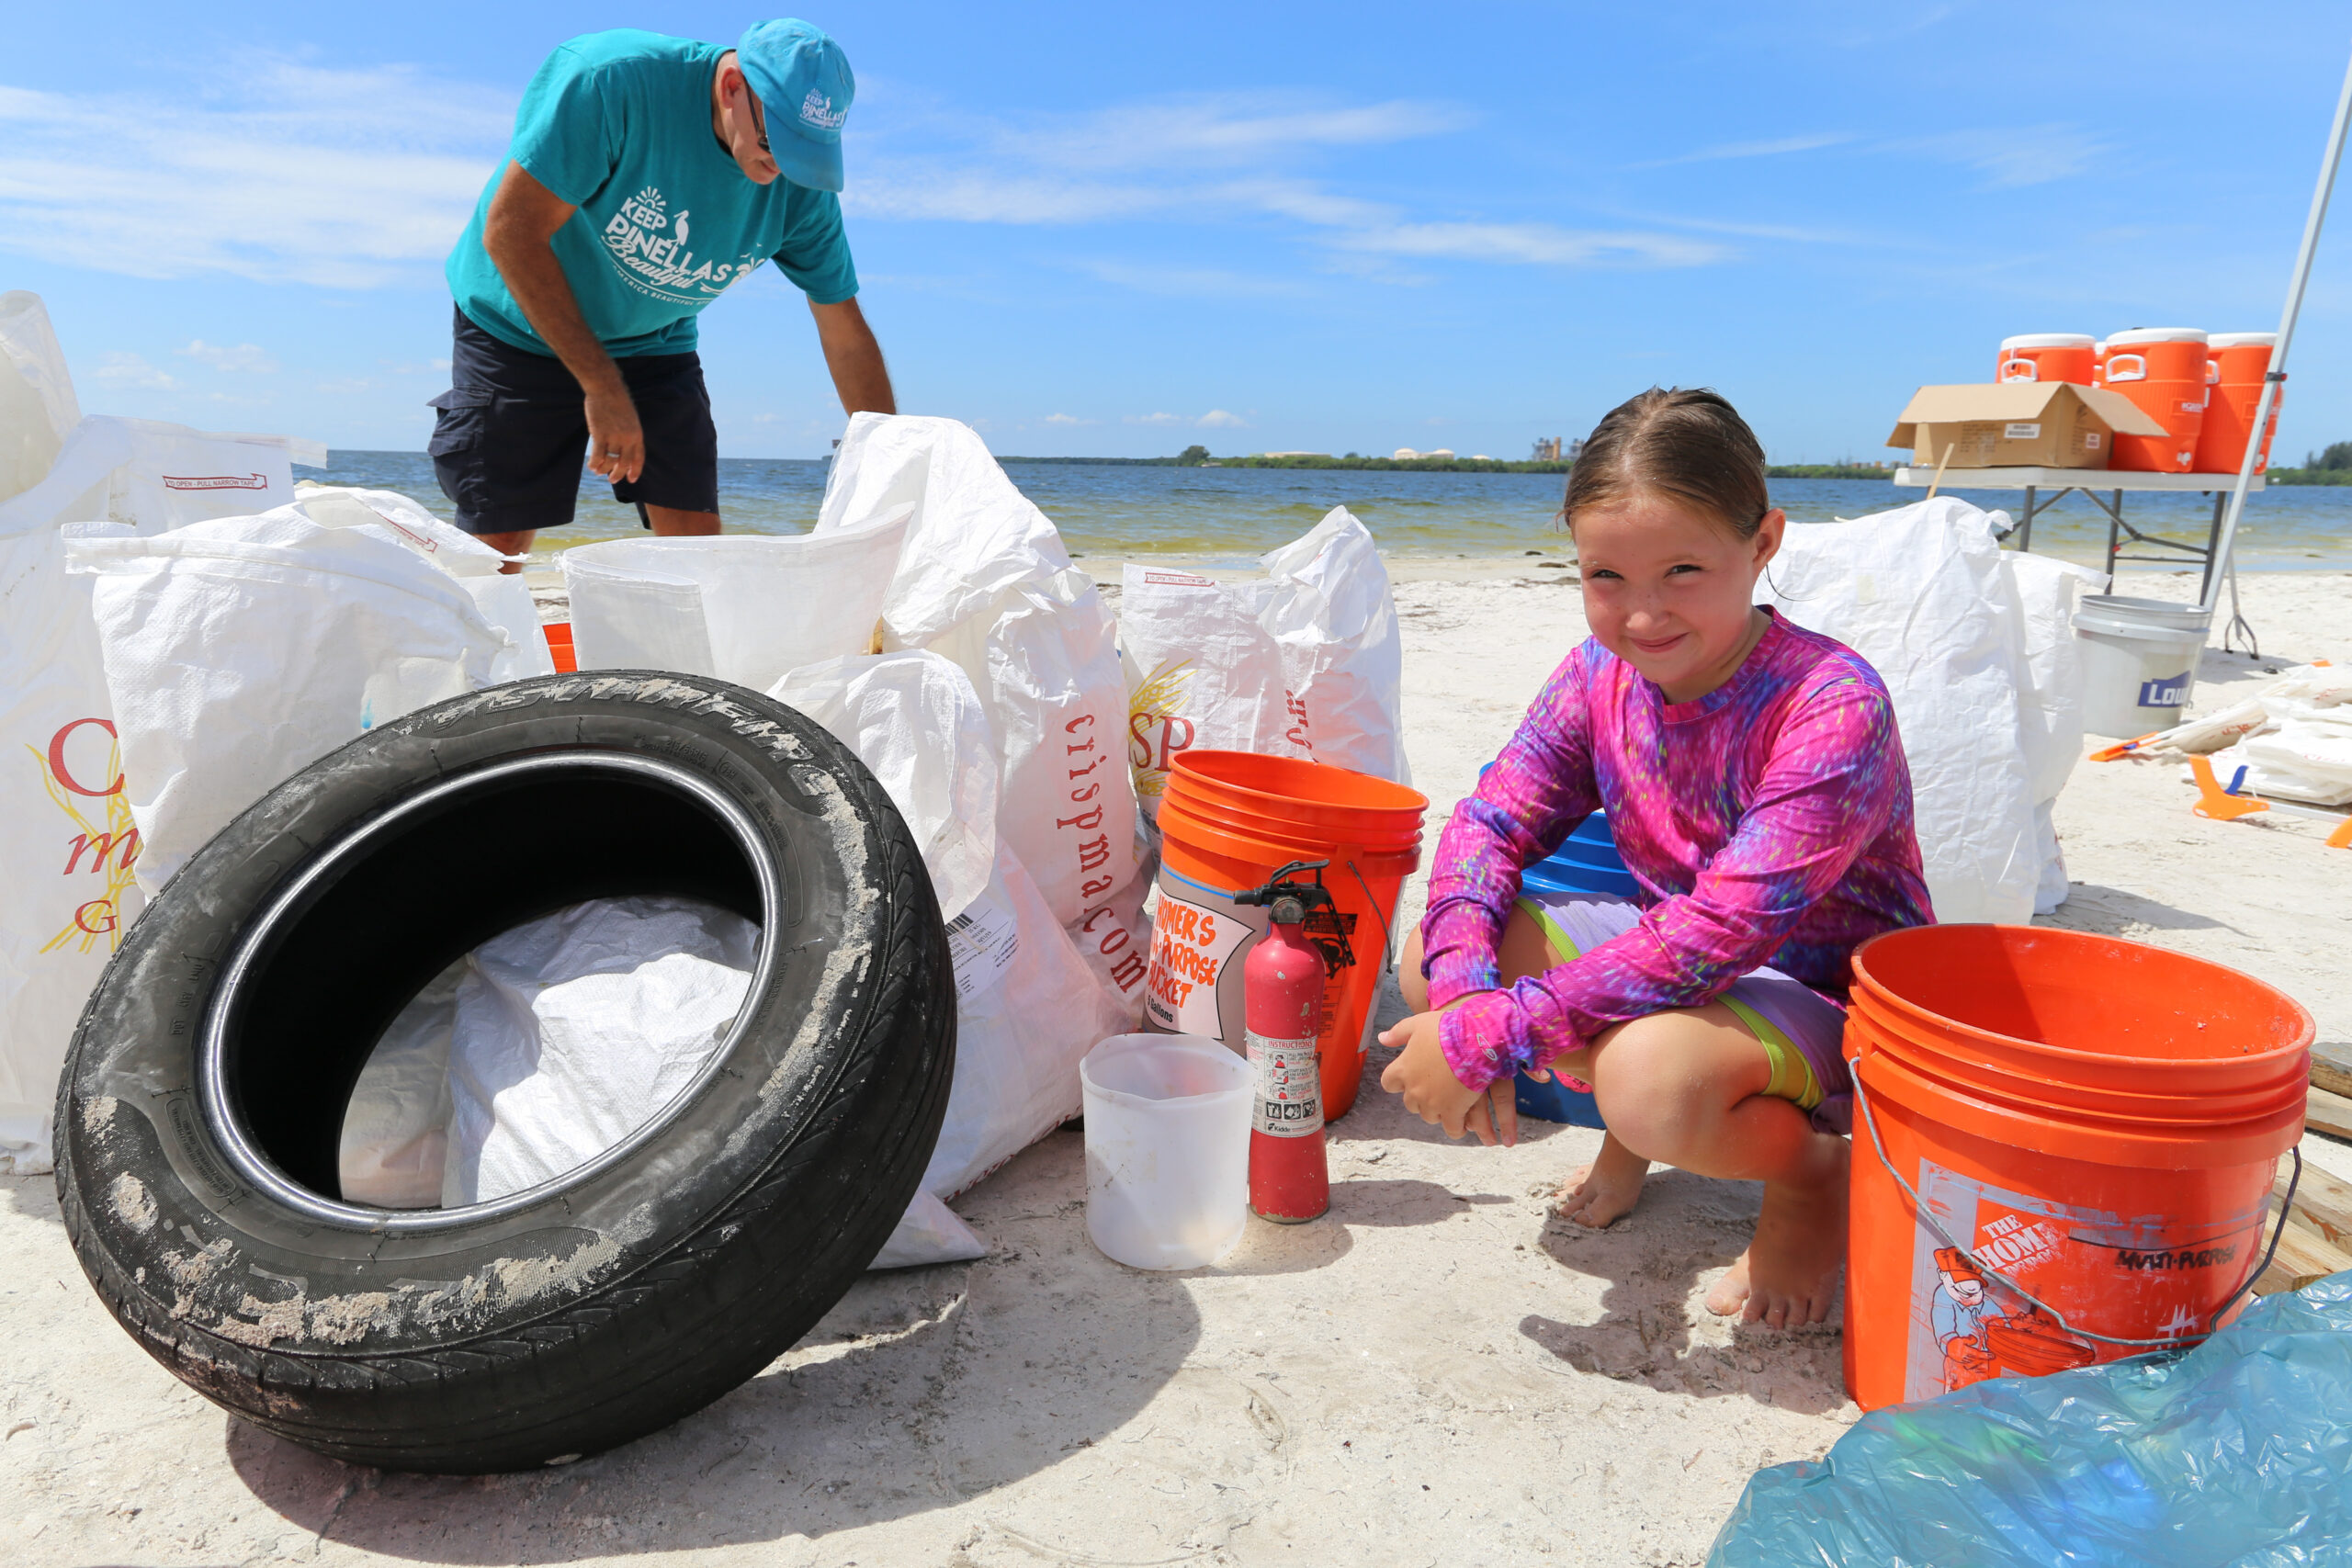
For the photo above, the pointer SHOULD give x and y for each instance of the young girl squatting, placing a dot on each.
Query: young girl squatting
(1756, 790)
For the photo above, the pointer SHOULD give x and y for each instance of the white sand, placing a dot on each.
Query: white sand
(1437, 1372)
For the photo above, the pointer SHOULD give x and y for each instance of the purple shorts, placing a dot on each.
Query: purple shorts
(1801, 1029)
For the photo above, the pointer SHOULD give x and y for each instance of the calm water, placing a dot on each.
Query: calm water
(1233, 514)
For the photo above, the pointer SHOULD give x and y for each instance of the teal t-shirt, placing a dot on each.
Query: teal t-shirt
(618, 124)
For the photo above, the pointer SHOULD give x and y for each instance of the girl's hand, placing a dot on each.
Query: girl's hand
(1436, 1096)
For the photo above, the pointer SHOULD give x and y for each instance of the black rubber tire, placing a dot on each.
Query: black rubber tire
(602, 1308)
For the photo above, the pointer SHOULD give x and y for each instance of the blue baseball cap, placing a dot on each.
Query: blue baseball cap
(805, 89)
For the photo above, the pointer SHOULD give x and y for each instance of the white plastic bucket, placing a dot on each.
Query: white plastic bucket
(745, 607)
(1167, 1149)
(2139, 662)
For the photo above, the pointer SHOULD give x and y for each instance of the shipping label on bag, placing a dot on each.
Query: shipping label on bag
(983, 941)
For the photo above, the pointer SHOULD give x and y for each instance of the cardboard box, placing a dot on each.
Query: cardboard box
(2018, 424)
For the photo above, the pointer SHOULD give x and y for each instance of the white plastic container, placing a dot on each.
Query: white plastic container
(1167, 1149)
(2139, 662)
(745, 607)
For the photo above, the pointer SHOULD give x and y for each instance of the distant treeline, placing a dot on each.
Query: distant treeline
(1426, 465)
(2333, 467)
(1199, 458)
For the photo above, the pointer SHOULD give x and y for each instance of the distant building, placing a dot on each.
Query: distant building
(1440, 453)
(1576, 449)
(1480, 457)
(1547, 450)
(1405, 454)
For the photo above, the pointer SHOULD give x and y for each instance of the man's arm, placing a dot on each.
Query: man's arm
(854, 358)
(519, 235)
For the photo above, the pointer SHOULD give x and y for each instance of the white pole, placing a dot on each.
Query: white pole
(2219, 567)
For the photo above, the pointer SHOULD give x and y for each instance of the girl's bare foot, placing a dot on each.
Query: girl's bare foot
(1788, 1276)
(1606, 1189)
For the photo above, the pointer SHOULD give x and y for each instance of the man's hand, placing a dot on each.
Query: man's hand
(1432, 1091)
(615, 439)
(518, 234)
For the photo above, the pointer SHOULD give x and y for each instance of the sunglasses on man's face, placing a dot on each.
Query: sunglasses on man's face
(759, 120)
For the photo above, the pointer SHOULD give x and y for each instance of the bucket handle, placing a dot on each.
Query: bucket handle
(1388, 937)
(1920, 1207)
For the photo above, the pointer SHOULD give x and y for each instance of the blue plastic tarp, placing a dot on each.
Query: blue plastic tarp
(2237, 1452)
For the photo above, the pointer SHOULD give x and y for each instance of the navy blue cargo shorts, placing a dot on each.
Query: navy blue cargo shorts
(512, 435)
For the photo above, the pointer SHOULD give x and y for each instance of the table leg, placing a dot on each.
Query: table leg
(2212, 547)
(2114, 521)
(2025, 526)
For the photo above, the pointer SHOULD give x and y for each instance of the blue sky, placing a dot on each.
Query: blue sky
(1121, 230)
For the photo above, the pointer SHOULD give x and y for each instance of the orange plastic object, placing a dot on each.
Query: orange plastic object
(2163, 371)
(2090, 1127)
(2215, 802)
(2342, 838)
(560, 647)
(2234, 391)
(1230, 820)
(2046, 357)
(2110, 753)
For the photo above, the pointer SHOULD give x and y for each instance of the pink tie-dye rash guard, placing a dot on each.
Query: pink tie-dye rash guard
(1768, 823)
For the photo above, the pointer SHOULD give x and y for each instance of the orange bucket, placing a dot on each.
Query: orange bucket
(2161, 369)
(2064, 1148)
(1231, 819)
(2046, 357)
(2233, 376)
(560, 647)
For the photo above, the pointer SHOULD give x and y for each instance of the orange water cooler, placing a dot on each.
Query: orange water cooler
(2162, 370)
(2045, 357)
(2235, 365)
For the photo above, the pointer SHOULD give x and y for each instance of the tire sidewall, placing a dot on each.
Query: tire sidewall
(217, 1253)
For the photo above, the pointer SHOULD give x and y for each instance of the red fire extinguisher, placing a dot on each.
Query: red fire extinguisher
(1282, 985)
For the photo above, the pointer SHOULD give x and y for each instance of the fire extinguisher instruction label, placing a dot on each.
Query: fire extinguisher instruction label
(1287, 1075)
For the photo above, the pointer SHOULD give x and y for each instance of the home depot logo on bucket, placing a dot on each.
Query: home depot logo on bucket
(1966, 1327)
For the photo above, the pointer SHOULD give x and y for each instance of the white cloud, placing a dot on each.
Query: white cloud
(2007, 155)
(246, 356)
(1777, 147)
(983, 196)
(1227, 129)
(284, 172)
(1065, 419)
(120, 369)
(1533, 245)
(1206, 283)
(2019, 155)
(1208, 161)
(1216, 418)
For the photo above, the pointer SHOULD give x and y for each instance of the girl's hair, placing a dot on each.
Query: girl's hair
(1688, 442)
